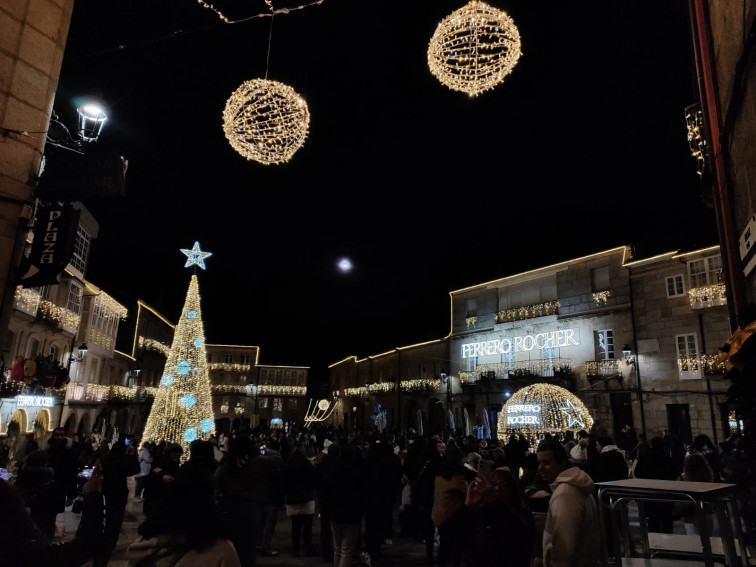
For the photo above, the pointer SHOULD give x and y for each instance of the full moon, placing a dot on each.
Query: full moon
(345, 265)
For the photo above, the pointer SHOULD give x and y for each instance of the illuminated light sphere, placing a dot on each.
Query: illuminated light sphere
(323, 405)
(198, 342)
(167, 380)
(191, 315)
(190, 435)
(207, 425)
(266, 121)
(187, 400)
(184, 368)
(543, 408)
(474, 48)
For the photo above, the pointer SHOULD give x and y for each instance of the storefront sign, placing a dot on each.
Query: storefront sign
(522, 343)
(35, 401)
(523, 414)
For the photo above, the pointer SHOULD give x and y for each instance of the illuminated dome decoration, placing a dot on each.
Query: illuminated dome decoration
(543, 408)
(323, 405)
(266, 121)
(474, 48)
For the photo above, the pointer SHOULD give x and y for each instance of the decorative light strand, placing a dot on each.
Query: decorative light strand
(528, 312)
(321, 411)
(266, 389)
(262, 15)
(151, 344)
(710, 295)
(474, 48)
(601, 297)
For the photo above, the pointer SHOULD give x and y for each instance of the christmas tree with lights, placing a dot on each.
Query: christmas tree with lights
(183, 408)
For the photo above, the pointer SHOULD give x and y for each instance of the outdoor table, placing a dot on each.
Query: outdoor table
(614, 495)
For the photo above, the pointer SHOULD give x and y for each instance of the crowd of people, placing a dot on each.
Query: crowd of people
(466, 501)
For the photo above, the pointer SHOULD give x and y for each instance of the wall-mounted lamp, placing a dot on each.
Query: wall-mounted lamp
(92, 117)
(507, 394)
(82, 353)
(629, 356)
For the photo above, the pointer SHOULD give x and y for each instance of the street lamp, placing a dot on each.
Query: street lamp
(83, 348)
(92, 117)
(627, 352)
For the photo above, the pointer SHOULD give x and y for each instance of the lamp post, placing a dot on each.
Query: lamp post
(632, 360)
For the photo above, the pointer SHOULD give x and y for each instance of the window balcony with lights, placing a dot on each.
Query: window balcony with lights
(707, 296)
(603, 370)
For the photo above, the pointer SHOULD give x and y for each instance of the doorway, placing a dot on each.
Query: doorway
(678, 420)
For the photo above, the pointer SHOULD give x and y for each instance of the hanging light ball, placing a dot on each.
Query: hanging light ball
(266, 121)
(543, 408)
(474, 48)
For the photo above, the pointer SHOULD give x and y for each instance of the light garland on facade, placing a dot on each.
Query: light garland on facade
(381, 387)
(266, 121)
(226, 367)
(28, 297)
(528, 312)
(422, 385)
(601, 297)
(183, 410)
(270, 390)
(711, 366)
(709, 295)
(474, 48)
(540, 367)
(685, 364)
(696, 141)
(228, 389)
(471, 321)
(356, 392)
(58, 315)
(543, 408)
(110, 306)
(607, 367)
(151, 344)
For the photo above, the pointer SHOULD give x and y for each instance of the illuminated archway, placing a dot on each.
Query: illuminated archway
(543, 408)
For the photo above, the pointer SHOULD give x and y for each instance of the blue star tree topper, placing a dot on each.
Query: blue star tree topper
(195, 256)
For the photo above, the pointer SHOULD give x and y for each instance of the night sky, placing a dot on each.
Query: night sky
(582, 148)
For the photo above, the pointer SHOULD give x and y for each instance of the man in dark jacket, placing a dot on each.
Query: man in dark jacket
(384, 470)
(62, 459)
(345, 489)
(610, 463)
(117, 465)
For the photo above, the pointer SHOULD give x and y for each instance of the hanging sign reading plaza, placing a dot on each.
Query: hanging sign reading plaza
(34, 401)
(522, 343)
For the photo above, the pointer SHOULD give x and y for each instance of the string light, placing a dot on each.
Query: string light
(543, 408)
(474, 48)
(269, 3)
(266, 121)
(528, 312)
(321, 411)
(183, 410)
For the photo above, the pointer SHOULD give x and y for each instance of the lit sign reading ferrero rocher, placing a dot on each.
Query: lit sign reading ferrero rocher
(522, 343)
(35, 401)
(523, 414)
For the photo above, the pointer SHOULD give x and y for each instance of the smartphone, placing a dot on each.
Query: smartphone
(262, 449)
(127, 441)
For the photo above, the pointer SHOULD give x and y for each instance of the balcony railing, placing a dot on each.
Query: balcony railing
(545, 367)
(707, 296)
(599, 370)
(528, 312)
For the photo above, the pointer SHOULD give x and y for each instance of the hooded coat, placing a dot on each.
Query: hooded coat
(572, 534)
